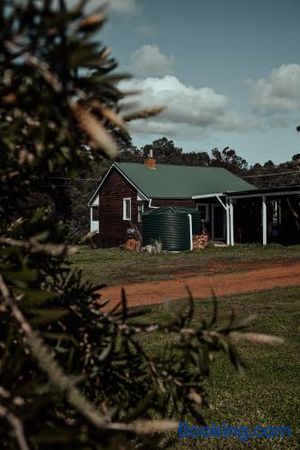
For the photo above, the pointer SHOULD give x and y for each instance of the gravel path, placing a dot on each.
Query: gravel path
(241, 279)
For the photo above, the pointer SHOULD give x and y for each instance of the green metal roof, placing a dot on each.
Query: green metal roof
(170, 181)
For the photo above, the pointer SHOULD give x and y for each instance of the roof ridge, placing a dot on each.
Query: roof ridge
(176, 181)
(175, 165)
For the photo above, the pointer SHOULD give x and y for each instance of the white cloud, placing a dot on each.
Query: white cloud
(279, 92)
(189, 110)
(277, 121)
(154, 127)
(148, 60)
(123, 6)
(146, 30)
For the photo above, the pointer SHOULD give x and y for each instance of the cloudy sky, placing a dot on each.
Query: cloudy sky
(227, 70)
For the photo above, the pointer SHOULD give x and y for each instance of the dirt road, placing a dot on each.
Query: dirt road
(240, 279)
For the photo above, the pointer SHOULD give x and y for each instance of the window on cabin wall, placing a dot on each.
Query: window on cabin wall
(126, 208)
(276, 211)
(203, 208)
(275, 223)
(141, 207)
(95, 213)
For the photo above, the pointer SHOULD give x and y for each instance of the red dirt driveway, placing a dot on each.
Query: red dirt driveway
(241, 279)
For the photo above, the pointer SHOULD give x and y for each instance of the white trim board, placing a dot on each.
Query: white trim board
(95, 202)
(124, 208)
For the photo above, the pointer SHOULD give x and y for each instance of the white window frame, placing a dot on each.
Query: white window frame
(141, 208)
(206, 218)
(94, 224)
(276, 211)
(124, 208)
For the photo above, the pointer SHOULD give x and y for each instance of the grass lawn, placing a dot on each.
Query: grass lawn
(269, 391)
(115, 266)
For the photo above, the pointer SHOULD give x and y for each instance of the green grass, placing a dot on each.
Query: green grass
(269, 392)
(115, 266)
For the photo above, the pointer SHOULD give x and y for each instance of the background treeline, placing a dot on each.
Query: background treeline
(262, 175)
(71, 196)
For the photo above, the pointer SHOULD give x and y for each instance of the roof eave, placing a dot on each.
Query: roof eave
(115, 166)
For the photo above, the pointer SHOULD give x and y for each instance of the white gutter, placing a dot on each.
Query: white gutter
(150, 204)
(191, 231)
(195, 197)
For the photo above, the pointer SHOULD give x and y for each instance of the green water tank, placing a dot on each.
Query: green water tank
(171, 226)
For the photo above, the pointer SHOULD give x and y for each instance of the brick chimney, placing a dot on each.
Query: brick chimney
(150, 162)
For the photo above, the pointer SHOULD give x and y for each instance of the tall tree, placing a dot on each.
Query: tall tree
(164, 151)
(228, 159)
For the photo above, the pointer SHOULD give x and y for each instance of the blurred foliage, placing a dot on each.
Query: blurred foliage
(73, 373)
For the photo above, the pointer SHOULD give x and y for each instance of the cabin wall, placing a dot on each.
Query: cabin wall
(112, 227)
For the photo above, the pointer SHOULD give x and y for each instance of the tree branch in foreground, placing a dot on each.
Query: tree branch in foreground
(63, 384)
(16, 426)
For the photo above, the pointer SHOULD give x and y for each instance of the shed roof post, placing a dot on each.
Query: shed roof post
(227, 222)
(264, 220)
(231, 223)
(191, 231)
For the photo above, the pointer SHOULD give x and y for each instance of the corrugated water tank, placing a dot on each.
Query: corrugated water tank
(171, 226)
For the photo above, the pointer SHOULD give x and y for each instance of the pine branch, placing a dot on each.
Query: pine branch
(144, 113)
(16, 425)
(62, 382)
(33, 246)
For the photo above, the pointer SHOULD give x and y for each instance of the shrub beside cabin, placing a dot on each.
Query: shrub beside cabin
(232, 209)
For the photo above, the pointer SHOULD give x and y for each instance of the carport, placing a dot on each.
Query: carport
(260, 215)
(265, 215)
